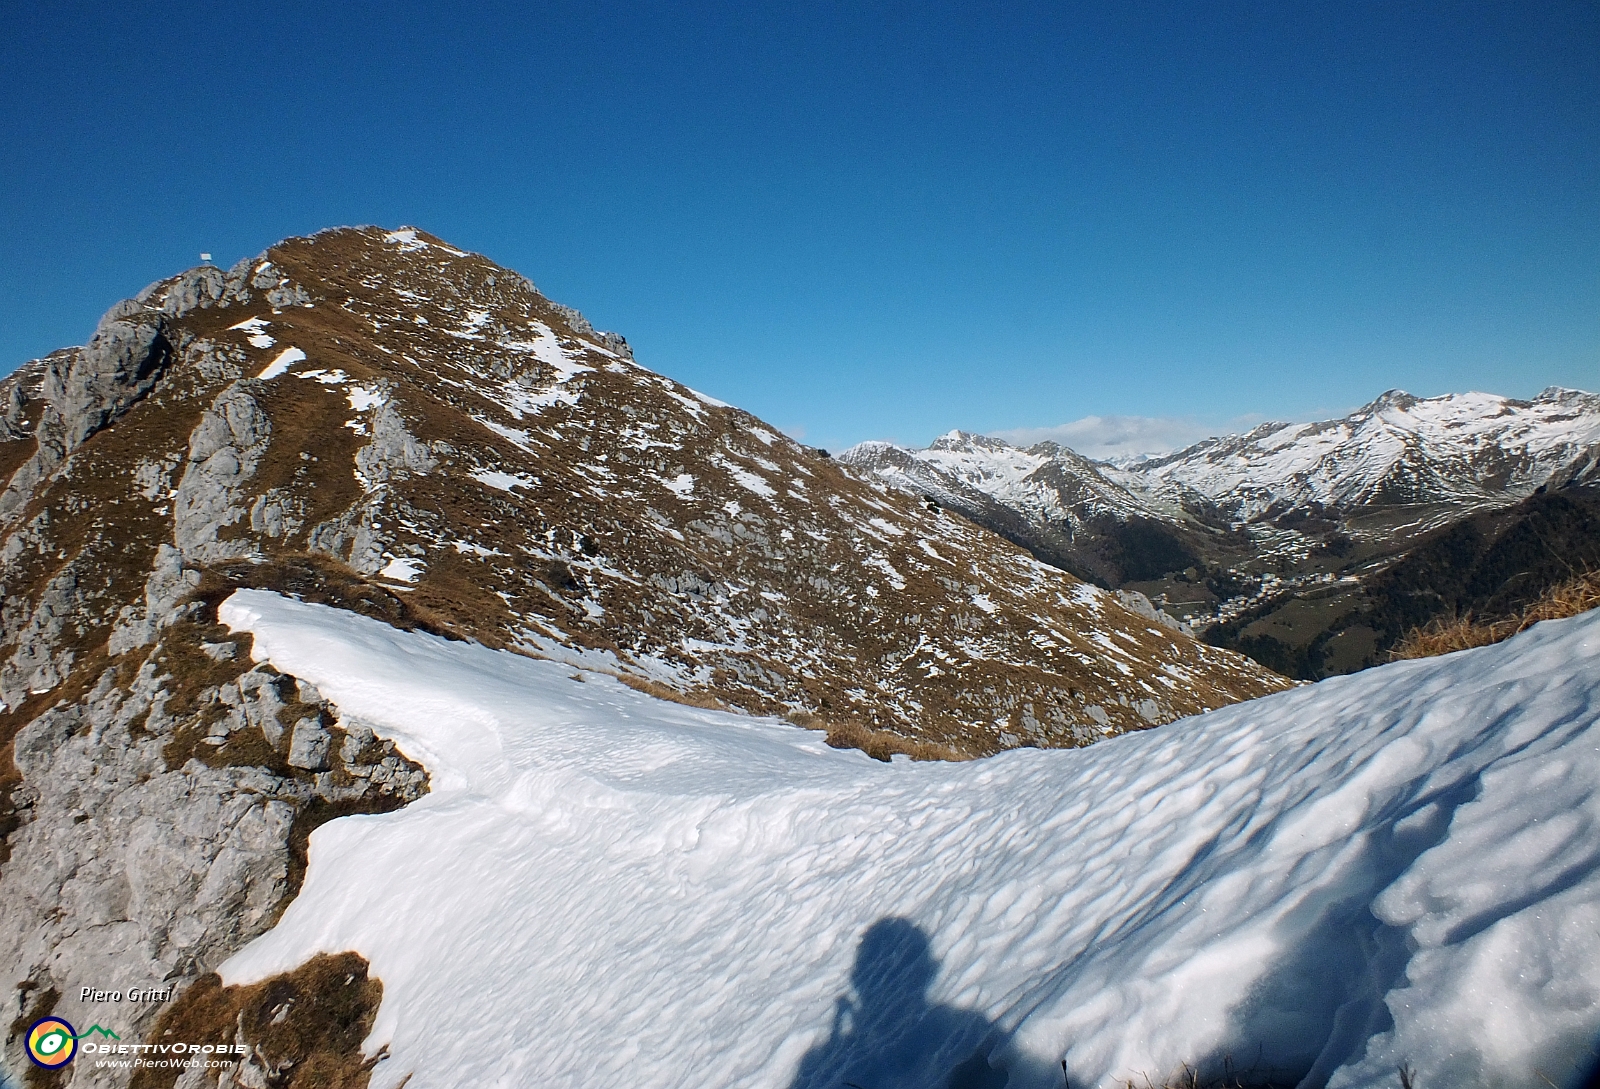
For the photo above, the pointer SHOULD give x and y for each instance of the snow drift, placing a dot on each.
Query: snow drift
(602, 889)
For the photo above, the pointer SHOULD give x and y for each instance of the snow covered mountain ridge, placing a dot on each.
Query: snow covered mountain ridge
(430, 423)
(1468, 448)
(1291, 541)
(1400, 449)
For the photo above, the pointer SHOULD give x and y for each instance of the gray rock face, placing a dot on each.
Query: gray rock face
(84, 391)
(394, 453)
(224, 450)
(199, 287)
(353, 537)
(308, 745)
(168, 584)
(117, 367)
(126, 873)
(617, 343)
(1135, 602)
(38, 664)
(13, 422)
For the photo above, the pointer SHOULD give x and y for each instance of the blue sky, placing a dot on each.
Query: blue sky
(868, 220)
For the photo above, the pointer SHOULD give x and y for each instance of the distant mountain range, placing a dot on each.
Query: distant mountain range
(1310, 546)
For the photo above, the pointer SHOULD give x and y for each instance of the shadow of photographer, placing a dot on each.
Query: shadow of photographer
(887, 1035)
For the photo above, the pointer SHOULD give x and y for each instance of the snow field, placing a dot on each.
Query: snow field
(605, 889)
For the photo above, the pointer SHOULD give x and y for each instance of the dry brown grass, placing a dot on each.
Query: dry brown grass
(878, 744)
(1452, 633)
(306, 1025)
(672, 695)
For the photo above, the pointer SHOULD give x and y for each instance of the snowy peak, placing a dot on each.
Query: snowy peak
(1473, 448)
(1272, 540)
(961, 441)
(1467, 448)
(1048, 499)
(1045, 480)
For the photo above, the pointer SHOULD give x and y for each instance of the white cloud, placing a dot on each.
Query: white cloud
(1105, 437)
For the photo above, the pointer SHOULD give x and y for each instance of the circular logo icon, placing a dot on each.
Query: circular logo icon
(52, 1042)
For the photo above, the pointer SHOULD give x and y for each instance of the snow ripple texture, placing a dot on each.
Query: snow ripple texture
(1401, 866)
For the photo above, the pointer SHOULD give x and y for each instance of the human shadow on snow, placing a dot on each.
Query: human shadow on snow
(887, 1035)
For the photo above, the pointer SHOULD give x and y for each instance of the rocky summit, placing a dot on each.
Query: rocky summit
(378, 422)
(411, 425)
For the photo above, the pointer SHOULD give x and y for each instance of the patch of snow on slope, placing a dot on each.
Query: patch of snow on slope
(286, 359)
(365, 397)
(408, 242)
(515, 436)
(881, 562)
(750, 482)
(406, 239)
(255, 332)
(525, 402)
(546, 347)
(504, 481)
(681, 485)
(1396, 866)
(402, 569)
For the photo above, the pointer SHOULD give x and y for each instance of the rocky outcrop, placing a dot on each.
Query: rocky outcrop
(154, 817)
(1140, 605)
(224, 451)
(153, 844)
(86, 390)
(168, 586)
(39, 662)
(394, 452)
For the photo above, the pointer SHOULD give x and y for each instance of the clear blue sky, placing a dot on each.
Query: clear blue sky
(867, 220)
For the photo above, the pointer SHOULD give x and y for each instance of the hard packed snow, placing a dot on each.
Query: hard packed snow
(602, 889)
(502, 480)
(402, 569)
(255, 332)
(286, 359)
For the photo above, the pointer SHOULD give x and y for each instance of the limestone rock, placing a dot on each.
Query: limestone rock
(308, 745)
(224, 450)
(37, 664)
(394, 453)
(85, 390)
(169, 583)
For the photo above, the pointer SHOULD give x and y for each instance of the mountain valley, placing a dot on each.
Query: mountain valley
(1311, 547)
